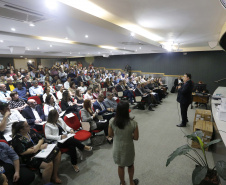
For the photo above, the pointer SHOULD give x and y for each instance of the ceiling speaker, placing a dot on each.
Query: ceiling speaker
(212, 44)
(17, 49)
(222, 41)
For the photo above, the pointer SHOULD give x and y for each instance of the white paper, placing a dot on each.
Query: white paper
(8, 136)
(70, 115)
(42, 123)
(45, 152)
(68, 136)
(62, 113)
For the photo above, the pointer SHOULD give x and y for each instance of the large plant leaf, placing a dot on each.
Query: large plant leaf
(201, 144)
(213, 142)
(221, 169)
(179, 151)
(199, 174)
(194, 135)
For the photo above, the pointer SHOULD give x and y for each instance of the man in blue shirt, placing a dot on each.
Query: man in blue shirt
(22, 91)
(36, 90)
(14, 173)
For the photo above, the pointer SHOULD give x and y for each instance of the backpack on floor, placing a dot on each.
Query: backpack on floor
(173, 89)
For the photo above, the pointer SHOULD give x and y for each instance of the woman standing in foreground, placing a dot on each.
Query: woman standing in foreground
(124, 130)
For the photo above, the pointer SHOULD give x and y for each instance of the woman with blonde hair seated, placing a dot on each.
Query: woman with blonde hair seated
(56, 129)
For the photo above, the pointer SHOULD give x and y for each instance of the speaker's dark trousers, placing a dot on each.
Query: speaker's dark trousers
(184, 111)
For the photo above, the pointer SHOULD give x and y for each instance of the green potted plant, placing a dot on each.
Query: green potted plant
(202, 174)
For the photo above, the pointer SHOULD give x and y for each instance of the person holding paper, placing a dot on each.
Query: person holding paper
(56, 129)
(27, 143)
(88, 115)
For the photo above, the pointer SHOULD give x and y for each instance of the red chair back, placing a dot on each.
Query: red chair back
(73, 122)
(60, 104)
(4, 141)
(36, 98)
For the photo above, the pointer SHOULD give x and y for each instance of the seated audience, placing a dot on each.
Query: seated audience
(10, 86)
(88, 95)
(36, 90)
(59, 93)
(68, 105)
(82, 88)
(110, 102)
(96, 92)
(27, 143)
(22, 91)
(33, 114)
(56, 130)
(101, 109)
(15, 173)
(51, 104)
(26, 83)
(67, 83)
(145, 96)
(79, 98)
(16, 103)
(87, 115)
(72, 89)
(4, 94)
(47, 92)
(121, 88)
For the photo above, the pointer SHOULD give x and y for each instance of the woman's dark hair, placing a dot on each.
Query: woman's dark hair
(48, 97)
(16, 127)
(122, 115)
(46, 89)
(90, 89)
(77, 93)
(3, 105)
(52, 116)
(12, 94)
(65, 96)
(87, 104)
(72, 83)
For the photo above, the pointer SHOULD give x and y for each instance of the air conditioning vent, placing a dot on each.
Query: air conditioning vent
(18, 13)
(52, 52)
(223, 2)
(133, 43)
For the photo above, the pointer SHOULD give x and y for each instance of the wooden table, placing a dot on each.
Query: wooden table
(200, 98)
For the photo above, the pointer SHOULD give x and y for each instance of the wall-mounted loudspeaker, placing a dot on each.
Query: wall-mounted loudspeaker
(222, 41)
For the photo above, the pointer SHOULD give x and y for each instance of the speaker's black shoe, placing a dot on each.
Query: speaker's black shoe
(151, 109)
(181, 125)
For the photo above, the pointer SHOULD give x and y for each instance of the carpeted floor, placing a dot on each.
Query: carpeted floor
(159, 137)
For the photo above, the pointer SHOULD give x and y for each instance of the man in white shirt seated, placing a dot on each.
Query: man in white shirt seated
(67, 83)
(7, 118)
(33, 114)
(4, 94)
(82, 88)
(110, 102)
(36, 90)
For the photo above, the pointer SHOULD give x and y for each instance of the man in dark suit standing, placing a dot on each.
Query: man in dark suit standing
(33, 114)
(184, 97)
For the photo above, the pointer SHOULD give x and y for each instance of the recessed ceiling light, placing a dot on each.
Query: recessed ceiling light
(98, 52)
(28, 49)
(31, 24)
(124, 48)
(50, 45)
(86, 36)
(124, 53)
(21, 56)
(139, 47)
(51, 4)
(1, 41)
(66, 38)
(38, 48)
(70, 53)
(13, 29)
(132, 34)
(136, 49)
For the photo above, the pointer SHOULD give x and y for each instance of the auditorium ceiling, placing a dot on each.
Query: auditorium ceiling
(82, 28)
